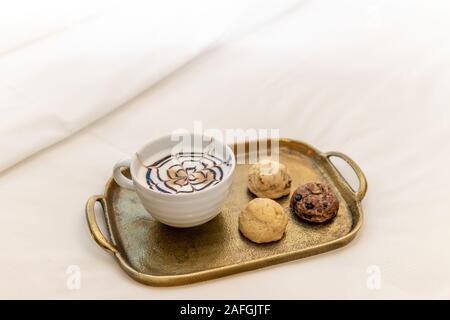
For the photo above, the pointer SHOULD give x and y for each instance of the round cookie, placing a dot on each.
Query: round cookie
(263, 220)
(269, 179)
(314, 202)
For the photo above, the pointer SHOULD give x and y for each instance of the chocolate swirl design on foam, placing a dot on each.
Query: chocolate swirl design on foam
(186, 172)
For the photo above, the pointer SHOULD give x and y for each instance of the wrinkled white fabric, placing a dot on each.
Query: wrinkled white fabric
(56, 85)
(367, 78)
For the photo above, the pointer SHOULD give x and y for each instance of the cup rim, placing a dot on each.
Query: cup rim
(178, 195)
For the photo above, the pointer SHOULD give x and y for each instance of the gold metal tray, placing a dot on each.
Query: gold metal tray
(159, 255)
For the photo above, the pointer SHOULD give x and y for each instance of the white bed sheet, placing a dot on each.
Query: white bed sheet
(56, 83)
(369, 79)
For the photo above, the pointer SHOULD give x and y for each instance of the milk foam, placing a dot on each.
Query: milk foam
(183, 172)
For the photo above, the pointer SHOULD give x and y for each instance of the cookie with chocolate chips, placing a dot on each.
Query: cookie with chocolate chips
(314, 202)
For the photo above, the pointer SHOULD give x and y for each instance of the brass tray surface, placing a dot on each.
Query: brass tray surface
(159, 255)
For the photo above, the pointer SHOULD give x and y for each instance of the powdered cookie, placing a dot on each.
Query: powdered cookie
(269, 179)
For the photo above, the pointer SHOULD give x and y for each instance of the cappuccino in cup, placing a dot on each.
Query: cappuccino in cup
(180, 184)
(186, 172)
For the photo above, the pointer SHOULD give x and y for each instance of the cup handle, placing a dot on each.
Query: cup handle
(121, 180)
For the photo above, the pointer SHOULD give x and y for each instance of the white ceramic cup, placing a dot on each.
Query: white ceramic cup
(182, 209)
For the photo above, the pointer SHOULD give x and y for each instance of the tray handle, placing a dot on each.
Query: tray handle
(359, 195)
(93, 226)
